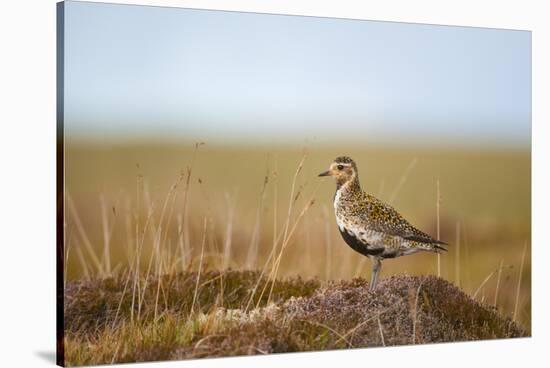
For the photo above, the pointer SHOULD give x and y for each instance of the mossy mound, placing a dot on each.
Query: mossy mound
(225, 319)
(403, 310)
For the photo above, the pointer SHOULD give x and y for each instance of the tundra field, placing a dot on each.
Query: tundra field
(181, 250)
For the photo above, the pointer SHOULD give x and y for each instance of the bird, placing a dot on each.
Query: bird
(370, 226)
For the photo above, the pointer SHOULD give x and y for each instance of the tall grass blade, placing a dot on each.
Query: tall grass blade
(518, 289)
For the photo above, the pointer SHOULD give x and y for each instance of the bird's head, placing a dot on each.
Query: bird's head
(343, 169)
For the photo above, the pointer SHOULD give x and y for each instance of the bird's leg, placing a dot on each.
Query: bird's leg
(376, 266)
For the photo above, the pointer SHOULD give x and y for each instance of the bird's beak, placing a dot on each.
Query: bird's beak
(325, 173)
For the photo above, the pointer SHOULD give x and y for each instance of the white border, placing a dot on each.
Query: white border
(27, 195)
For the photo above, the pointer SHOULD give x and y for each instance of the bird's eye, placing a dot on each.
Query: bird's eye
(340, 167)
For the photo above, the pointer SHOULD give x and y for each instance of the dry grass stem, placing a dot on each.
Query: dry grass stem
(484, 282)
(415, 314)
(457, 256)
(84, 236)
(518, 289)
(253, 248)
(498, 282)
(437, 206)
(380, 329)
(200, 266)
(328, 253)
(402, 180)
(340, 336)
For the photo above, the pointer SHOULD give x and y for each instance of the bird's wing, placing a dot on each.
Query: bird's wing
(384, 218)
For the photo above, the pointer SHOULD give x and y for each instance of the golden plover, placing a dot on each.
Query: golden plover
(370, 226)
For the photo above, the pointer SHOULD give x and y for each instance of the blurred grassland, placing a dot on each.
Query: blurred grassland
(124, 203)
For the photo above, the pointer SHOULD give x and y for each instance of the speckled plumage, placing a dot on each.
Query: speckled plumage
(370, 226)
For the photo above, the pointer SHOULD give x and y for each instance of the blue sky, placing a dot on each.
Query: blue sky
(138, 72)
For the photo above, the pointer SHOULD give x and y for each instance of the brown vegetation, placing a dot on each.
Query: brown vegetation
(302, 315)
(142, 265)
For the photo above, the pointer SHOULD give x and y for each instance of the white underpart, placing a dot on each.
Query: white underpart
(339, 221)
(337, 199)
(370, 237)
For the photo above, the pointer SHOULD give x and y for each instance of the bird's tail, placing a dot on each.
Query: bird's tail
(432, 247)
(438, 248)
